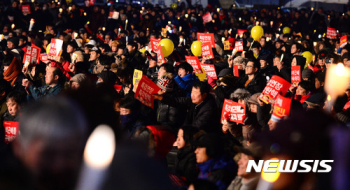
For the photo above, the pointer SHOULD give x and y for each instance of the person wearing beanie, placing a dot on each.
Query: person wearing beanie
(316, 101)
(79, 81)
(185, 78)
(307, 75)
(214, 165)
(131, 118)
(107, 77)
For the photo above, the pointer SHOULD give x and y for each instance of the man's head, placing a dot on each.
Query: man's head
(53, 134)
(53, 76)
(296, 48)
(12, 43)
(319, 79)
(209, 146)
(256, 48)
(165, 68)
(132, 46)
(252, 152)
(94, 53)
(304, 88)
(200, 91)
(252, 67)
(72, 46)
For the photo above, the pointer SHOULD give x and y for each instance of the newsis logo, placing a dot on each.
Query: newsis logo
(290, 166)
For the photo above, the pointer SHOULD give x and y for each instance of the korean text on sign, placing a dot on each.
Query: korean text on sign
(207, 52)
(206, 37)
(194, 62)
(275, 86)
(233, 111)
(210, 70)
(144, 91)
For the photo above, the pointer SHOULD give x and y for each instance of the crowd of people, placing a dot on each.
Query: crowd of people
(182, 140)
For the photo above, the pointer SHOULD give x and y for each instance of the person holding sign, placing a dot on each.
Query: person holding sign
(201, 106)
(13, 72)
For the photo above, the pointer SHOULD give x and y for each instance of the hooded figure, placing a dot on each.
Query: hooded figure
(299, 60)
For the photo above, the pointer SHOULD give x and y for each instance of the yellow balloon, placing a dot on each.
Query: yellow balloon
(196, 48)
(308, 56)
(257, 32)
(174, 5)
(286, 30)
(167, 46)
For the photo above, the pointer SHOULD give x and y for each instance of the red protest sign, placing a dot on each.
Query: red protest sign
(235, 71)
(207, 18)
(207, 52)
(282, 106)
(110, 14)
(331, 33)
(240, 32)
(232, 111)
(11, 130)
(206, 37)
(92, 2)
(144, 91)
(26, 9)
(194, 62)
(160, 57)
(32, 55)
(43, 58)
(275, 86)
(296, 74)
(239, 46)
(55, 47)
(343, 40)
(154, 44)
(210, 70)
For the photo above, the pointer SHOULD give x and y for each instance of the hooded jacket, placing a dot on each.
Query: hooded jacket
(185, 83)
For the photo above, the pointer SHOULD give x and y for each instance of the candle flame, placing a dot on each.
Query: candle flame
(271, 177)
(329, 98)
(339, 69)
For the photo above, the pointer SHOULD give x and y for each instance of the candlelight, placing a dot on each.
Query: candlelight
(147, 28)
(337, 80)
(199, 14)
(312, 9)
(299, 42)
(75, 35)
(240, 19)
(103, 28)
(13, 26)
(213, 21)
(178, 18)
(254, 18)
(169, 22)
(267, 39)
(143, 8)
(186, 15)
(88, 22)
(223, 39)
(230, 31)
(315, 44)
(84, 13)
(257, 23)
(271, 177)
(329, 97)
(271, 23)
(140, 12)
(180, 28)
(126, 21)
(277, 36)
(218, 9)
(98, 155)
(33, 1)
(1, 37)
(69, 8)
(61, 10)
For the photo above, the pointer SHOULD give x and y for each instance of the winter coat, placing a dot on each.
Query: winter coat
(185, 164)
(169, 116)
(220, 171)
(204, 116)
(186, 83)
(37, 93)
(256, 85)
(135, 60)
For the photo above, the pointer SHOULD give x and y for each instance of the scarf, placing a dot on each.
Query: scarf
(14, 69)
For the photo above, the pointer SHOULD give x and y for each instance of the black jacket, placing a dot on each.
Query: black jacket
(185, 164)
(256, 85)
(204, 116)
(170, 116)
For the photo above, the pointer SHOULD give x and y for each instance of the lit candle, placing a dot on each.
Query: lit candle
(75, 35)
(218, 9)
(257, 23)
(223, 39)
(13, 26)
(315, 43)
(336, 81)
(267, 39)
(33, 1)
(184, 41)
(299, 42)
(69, 8)
(271, 23)
(1, 37)
(229, 32)
(213, 21)
(119, 31)
(103, 28)
(98, 155)
(240, 19)
(186, 15)
(84, 13)
(267, 179)
(169, 22)
(126, 23)
(180, 28)
(31, 23)
(312, 8)
(140, 12)
(126, 39)
(61, 10)
(277, 36)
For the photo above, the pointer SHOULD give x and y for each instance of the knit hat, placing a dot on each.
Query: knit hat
(241, 93)
(81, 79)
(14, 40)
(307, 73)
(108, 77)
(166, 82)
(212, 142)
(254, 98)
(316, 100)
(224, 72)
